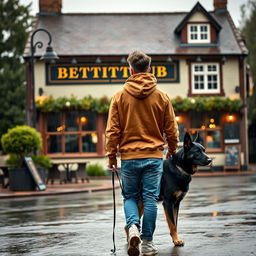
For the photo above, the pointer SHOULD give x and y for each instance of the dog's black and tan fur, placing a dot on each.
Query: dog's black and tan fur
(175, 181)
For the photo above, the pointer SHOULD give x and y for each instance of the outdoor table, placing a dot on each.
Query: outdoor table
(67, 165)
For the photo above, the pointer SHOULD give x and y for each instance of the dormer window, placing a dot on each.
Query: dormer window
(198, 33)
(198, 27)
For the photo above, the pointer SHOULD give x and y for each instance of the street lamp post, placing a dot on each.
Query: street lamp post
(49, 54)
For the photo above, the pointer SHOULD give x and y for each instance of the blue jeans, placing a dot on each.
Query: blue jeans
(141, 181)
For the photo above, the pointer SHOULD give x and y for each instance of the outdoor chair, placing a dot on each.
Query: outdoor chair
(80, 173)
(54, 173)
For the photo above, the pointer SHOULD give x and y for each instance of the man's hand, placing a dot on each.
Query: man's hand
(112, 164)
(169, 154)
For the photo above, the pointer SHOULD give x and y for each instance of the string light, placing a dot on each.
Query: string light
(83, 119)
(230, 118)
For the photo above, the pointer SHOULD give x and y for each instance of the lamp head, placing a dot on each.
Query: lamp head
(49, 54)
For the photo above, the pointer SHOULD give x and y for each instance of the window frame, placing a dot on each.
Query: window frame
(204, 132)
(199, 33)
(205, 74)
(100, 126)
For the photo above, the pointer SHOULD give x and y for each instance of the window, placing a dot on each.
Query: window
(198, 33)
(205, 78)
(213, 139)
(71, 132)
(210, 138)
(181, 132)
(231, 133)
(207, 126)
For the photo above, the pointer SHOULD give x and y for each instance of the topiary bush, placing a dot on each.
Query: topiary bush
(96, 170)
(21, 141)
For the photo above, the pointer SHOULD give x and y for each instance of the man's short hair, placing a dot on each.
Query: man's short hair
(139, 61)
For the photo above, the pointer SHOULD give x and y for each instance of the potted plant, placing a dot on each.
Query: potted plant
(19, 142)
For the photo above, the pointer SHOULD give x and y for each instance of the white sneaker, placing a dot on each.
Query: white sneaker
(148, 248)
(133, 241)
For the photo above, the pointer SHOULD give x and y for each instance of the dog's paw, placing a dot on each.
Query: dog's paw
(178, 242)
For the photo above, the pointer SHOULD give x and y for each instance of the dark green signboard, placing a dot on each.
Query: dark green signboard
(84, 73)
(34, 172)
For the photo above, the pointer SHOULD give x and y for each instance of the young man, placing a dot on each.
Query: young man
(139, 116)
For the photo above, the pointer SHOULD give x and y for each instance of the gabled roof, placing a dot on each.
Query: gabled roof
(197, 8)
(120, 33)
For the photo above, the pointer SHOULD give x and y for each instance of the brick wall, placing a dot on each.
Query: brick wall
(220, 4)
(50, 6)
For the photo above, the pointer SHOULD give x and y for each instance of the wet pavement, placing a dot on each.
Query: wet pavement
(218, 217)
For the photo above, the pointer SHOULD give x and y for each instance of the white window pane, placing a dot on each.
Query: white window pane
(212, 67)
(193, 28)
(198, 68)
(193, 36)
(204, 36)
(203, 28)
(212, 78)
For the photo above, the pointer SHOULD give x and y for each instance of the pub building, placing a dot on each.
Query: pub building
(198, 58)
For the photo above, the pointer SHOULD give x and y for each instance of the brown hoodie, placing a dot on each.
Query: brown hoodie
(139, 115)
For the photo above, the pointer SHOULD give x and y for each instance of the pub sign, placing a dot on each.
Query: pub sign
(84, 73)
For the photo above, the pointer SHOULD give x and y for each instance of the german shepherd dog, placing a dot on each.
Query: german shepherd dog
(177, 172)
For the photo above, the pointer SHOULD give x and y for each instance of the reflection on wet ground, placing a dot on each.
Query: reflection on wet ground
(218, 217)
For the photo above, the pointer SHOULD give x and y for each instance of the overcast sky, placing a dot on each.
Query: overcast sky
(83, 6)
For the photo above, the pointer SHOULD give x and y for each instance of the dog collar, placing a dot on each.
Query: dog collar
(182, 171)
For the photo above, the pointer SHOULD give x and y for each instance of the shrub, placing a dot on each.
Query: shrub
(42, 161)
(21, 141)
(96, 170)
(13, 160)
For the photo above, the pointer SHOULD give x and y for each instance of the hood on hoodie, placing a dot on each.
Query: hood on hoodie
(140, 85)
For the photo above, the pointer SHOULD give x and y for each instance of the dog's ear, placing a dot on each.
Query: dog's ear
(197, 138)
(187, 142)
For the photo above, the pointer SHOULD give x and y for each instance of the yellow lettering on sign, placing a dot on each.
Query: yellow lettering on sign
(62, 73)
(113, 71)
(161, 71)
(84, 71)
(73, 73)
(95, 71)
(153, 70)
(104, 72)
(125, 71)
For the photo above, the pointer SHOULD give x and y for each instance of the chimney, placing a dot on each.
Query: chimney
(220, 6)
(50, 7)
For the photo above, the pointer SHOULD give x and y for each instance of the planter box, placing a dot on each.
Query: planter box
(21, 180)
